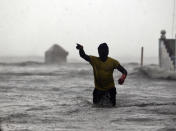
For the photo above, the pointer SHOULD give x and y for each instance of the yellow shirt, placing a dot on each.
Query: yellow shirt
(103, 72)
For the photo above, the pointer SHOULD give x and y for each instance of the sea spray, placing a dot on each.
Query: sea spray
(155, 72)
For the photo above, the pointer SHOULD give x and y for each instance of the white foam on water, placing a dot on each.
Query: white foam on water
(154, 71)
(47, 98)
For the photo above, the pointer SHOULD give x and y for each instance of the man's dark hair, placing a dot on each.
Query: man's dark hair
(103, 49)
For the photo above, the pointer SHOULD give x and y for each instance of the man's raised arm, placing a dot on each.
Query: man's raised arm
(82, 53)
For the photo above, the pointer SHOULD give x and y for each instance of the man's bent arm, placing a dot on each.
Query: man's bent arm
(84, 55)
(124, 74)
(122, 70)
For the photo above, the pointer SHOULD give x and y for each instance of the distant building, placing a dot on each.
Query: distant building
(56, 55)
(167, 52)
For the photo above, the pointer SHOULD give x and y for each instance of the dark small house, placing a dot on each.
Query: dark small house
(56, 55)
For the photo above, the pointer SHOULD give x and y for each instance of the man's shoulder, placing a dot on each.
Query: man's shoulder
(93, 57)
(114, 61)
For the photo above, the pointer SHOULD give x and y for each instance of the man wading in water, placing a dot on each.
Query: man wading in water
(103, 67)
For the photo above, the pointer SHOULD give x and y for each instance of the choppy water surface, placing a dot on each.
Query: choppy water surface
(34, 97)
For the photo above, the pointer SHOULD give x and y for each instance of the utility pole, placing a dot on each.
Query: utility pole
(173, 20)
(142, 55)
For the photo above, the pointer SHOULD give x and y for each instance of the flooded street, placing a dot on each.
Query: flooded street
(41, 98)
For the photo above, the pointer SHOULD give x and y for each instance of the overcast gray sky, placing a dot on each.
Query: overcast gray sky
(29, 27)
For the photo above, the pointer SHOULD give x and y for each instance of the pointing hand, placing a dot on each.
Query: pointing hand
(79, 46)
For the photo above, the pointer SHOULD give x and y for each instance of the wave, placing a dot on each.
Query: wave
(30, 74)
(31, 63)
(17, 117)
(59, 72)
(81, 72)
(131, 64)
(26, 63)
(39, 108)
(153, 72)
(147, 104)
(41, 69)
(156, 72)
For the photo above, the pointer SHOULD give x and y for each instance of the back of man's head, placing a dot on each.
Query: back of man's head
(103, 50)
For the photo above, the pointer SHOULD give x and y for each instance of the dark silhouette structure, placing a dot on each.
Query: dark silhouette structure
(103, 67)
(56, 55)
